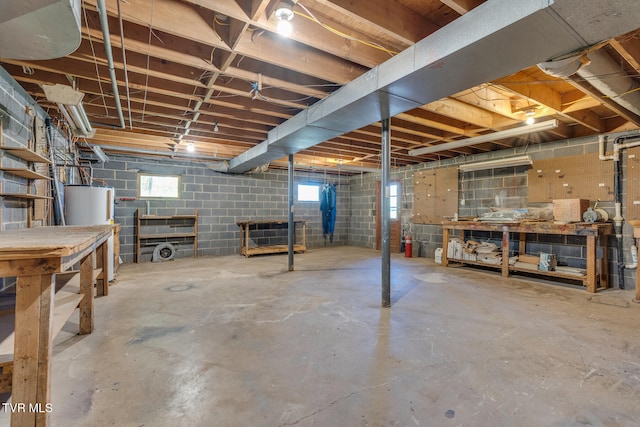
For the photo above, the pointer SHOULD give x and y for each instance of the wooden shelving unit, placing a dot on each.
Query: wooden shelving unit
(597, 276)
(245, 241)
(148, 225)
(29, 157)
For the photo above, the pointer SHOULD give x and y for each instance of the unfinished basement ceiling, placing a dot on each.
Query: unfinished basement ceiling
(195, 66)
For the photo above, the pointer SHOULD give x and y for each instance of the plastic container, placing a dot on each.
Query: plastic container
(439, 255)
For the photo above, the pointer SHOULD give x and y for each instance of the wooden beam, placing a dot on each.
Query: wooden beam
(390, 17)
(462, 6)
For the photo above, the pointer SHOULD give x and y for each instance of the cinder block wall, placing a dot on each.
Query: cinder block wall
(221, 200)
(15, 133)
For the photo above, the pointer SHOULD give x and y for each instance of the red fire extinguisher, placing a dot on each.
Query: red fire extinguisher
(408, 247)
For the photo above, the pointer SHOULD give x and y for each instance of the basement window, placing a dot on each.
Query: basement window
(158, 186)
(393, 201)
(308, 192)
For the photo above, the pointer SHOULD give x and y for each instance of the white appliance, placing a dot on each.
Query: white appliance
(86, 205)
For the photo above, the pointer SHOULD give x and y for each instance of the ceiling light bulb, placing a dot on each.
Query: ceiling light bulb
(191, 147)
(215, 126)
(284, 28)
(284, 11)
(529, 114)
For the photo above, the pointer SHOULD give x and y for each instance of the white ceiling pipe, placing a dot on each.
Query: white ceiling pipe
(495, 136)
(608, 77)
(104, 23)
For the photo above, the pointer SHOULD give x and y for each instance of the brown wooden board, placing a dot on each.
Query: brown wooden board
(573, 177)
(41, 206)
(435, 195)
(632, 174)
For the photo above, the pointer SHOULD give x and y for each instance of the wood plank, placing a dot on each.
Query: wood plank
(20, 267)
(54, 241)
(25, 196)
(272, 249)
(25, 173)
(86, 292)
(166, 235)
(25, 154)
(6, 377)
(32, 354)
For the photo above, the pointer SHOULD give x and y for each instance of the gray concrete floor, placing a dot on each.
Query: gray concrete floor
(230, 341)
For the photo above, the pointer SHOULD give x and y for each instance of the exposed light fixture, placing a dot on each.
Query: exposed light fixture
(529, 114)
(499, 163)
(191, 147)
(509, 133)
(99, 153)
(69, 102)
(215, 126)
(284, 10)
(284, 15)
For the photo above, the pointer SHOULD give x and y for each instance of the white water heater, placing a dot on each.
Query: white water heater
(86, 205)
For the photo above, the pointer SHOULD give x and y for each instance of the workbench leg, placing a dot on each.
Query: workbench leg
(246, 241)
(522, 248)
(505, 253)
(32, 349)
(304, 236)
(102, 261)
(591, 264)
(445, 247)
(604, 265)
(86, 289)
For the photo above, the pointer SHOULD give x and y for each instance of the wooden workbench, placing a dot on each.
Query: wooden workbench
(595, 234)
(247, 251)
(35, 256)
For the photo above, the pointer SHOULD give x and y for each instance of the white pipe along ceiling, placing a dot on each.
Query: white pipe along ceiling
(495, 39)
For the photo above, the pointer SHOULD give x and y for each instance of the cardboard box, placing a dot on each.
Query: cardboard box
(548, 262)
(569, 210)
(529, 259)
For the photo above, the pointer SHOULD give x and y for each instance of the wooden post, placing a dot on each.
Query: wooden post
(505, 252)
(86, 289)
(102, 261)
(32, 348)
(246, 240)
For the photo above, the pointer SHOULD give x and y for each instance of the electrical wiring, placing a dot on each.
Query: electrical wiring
(146, 83)
(311, 17)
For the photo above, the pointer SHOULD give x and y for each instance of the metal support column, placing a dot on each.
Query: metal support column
(386, 214)
(291, 220)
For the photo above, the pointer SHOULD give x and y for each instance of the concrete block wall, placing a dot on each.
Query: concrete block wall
(15, 133)
(221, 200)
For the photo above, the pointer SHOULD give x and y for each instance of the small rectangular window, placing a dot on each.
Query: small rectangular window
(393, 201)
(308, 192)
(158, 186)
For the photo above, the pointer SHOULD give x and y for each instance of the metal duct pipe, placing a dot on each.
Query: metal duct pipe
(608, 77)
(104, 23)
(133, 150)
(458, 56)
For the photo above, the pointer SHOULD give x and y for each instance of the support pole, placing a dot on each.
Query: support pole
(292, 224)
(386, 214)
